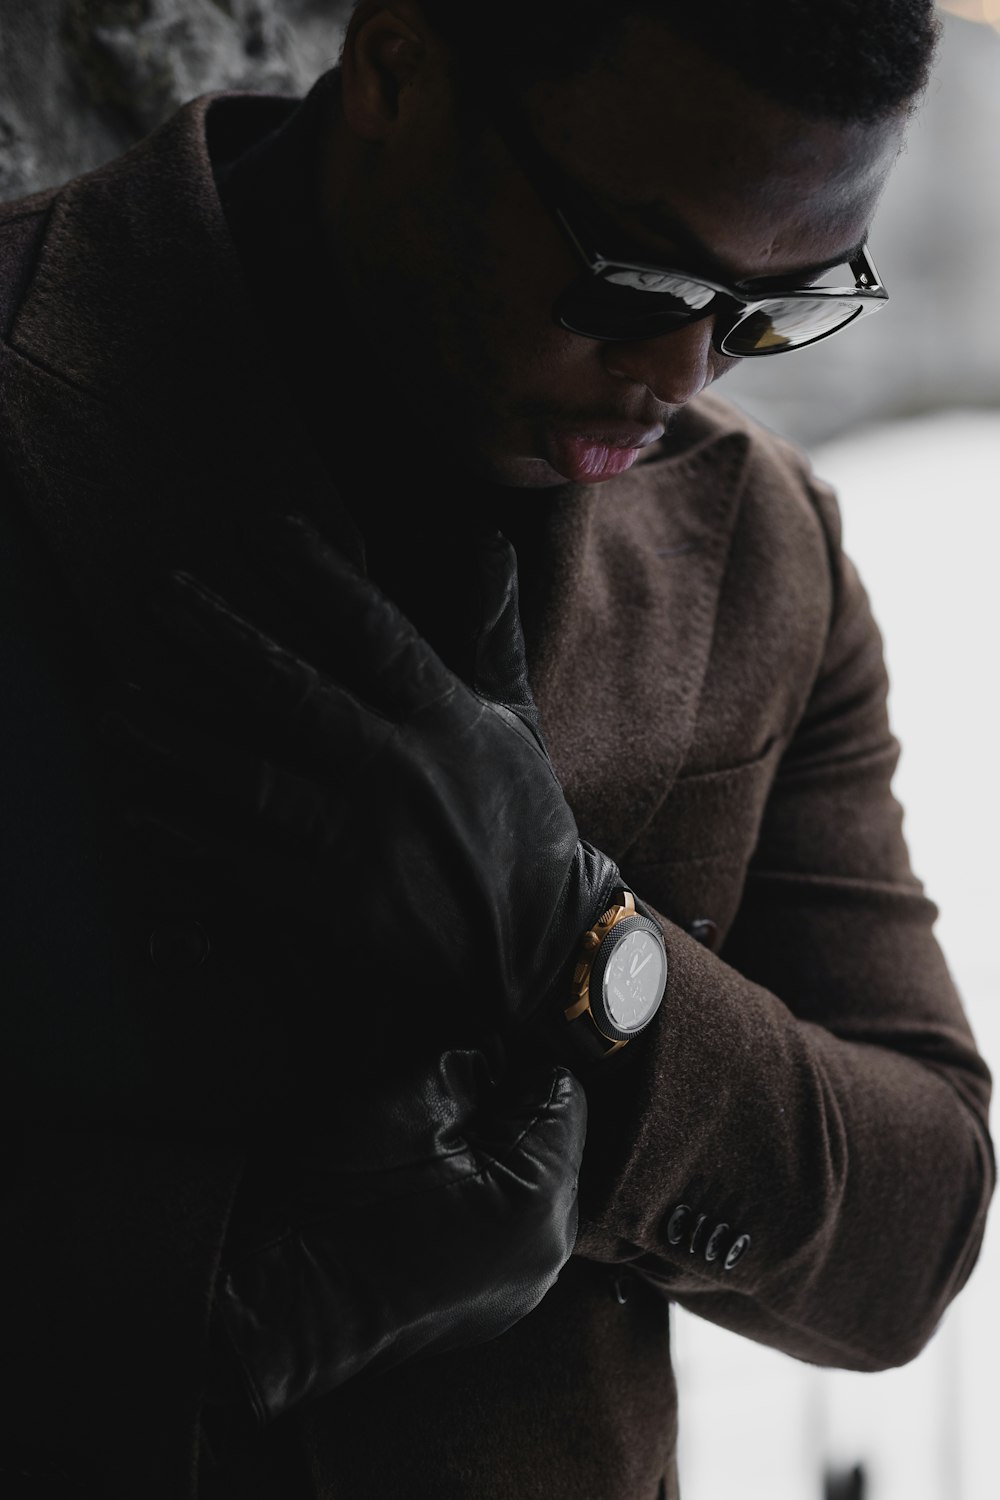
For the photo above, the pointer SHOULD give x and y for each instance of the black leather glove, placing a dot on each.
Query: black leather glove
(382, 791)
(437, 1217)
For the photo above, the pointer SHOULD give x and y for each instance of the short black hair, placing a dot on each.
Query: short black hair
(841, 60)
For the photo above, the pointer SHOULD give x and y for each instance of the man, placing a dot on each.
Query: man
(458, 311)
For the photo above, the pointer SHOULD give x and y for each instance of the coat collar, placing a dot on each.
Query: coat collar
(136, 346)
(140, 348)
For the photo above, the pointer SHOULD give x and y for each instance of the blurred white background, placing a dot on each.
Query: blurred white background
(902, 415)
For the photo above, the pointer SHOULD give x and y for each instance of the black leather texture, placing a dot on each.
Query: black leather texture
(345, 757)
(437, 1219)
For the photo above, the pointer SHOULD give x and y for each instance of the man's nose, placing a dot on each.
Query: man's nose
(674, 367)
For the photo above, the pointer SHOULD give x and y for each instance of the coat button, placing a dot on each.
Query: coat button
(677, 1223)
(713, 1248)
(704, 931)
(737, 1250)
(619, 1288)
(700, 1223)
(177, 947)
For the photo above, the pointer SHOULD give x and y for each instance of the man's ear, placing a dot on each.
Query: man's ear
(384, 49)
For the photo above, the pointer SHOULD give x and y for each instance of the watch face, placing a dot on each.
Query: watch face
(634, 979)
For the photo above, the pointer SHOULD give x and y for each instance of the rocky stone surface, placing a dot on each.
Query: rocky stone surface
(80, 80)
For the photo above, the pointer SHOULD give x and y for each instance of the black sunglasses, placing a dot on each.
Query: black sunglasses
(618, 298)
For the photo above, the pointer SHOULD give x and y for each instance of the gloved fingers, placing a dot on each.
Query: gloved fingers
(148, 737)
(223, 779)
(523, 1196)
(426, 1123)
(484, 612)
(532, 1155)
(500, 669)
(177, 835)
(450, 1125)
(416, 1149)
(530, 1131)
(301, 711)
(222, 866)
(383, 1264)
(274, 680)
(399, 1132)
(374, 649)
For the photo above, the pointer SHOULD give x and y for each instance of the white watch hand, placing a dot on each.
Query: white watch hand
(637, 968)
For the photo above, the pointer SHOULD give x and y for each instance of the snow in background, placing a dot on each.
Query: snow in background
(921, 506)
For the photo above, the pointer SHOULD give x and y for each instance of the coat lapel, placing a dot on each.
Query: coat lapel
(619, 603)
(138, 351)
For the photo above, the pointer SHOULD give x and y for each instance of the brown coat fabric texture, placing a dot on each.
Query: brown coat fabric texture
(712, 688)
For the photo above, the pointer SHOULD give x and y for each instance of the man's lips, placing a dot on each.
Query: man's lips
(588, 457)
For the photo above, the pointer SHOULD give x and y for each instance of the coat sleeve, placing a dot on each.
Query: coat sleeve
(798, 1149)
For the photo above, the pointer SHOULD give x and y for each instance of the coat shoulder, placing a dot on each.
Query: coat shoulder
(778, 476)
(22, 229)
(778, 505)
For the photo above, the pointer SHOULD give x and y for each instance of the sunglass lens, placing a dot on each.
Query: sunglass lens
(788, 323)
(665, 287)
(626, 303)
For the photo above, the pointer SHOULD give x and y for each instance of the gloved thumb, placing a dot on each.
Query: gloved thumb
(532, 1130)
(499, 661)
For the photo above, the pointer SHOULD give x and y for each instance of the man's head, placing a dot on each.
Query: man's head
(840, 59)
(747, 154)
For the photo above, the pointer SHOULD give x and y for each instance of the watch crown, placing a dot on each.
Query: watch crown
(592, 939)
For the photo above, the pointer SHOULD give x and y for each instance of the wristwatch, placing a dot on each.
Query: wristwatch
(619, 980)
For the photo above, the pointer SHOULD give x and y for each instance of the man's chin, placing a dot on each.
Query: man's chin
(528, 474)
(514, 471)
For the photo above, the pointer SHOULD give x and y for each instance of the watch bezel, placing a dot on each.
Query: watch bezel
(635, 922)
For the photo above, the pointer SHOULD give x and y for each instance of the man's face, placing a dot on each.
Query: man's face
(454, 260)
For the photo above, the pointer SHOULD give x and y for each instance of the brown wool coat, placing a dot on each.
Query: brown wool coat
(712, 688)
